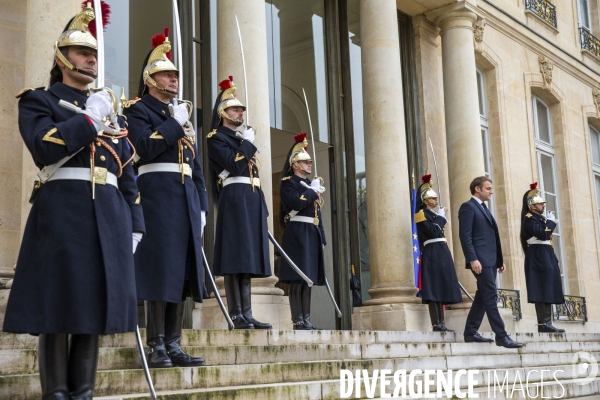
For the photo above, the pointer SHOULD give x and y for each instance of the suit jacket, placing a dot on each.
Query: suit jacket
(479, 236)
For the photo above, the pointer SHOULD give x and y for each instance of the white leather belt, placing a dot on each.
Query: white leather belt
(434, 240)
(102, 176)
(308, 220)
(534, 240)
(165, 167)
(241, 179)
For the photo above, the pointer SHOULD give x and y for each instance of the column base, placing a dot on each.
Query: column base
(392, 317)
(273, 309)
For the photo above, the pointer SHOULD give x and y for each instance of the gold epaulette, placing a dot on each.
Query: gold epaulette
(27, 90)
(420, 217)
(528, 215)
(211, 134)
(285, 178)
(129, 103)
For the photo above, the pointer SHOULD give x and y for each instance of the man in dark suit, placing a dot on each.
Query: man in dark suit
(480, 242)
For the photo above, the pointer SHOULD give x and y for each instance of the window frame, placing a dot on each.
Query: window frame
(547, 149)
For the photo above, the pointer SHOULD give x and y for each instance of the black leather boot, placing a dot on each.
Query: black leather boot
(53, 355)
(234, 302)
(246, 296)
(436, 314)
(83, 362)
(173, 326)
(295, 297)
(157, 356)
(442, 323)
(544, 317)
(306, 292)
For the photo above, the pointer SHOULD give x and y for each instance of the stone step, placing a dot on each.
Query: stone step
(13, 362)
(330, 389)
(114, 382)
(191, 337)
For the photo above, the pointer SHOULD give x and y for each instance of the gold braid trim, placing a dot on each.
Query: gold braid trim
(190, 146)
(112, 152)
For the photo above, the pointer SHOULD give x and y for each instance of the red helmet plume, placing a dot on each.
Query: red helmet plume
(159, 39)
(533, 186)
(226, 83)
(105, 8)
(426, 178)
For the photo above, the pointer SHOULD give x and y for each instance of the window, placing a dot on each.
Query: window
(583, 8)
(595, 145)
(544, 143)
(485, 139)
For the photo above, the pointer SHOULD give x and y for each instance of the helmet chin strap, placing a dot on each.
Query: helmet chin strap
(149, 79)
(70, 65)
(301, 169)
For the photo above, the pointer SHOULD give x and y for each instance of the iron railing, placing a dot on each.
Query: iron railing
(589, 42)
(509, 298)
(573, 310)
(545, 10)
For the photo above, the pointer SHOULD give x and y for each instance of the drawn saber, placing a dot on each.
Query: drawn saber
(437, 177)
(100, 40)
(138, 338)
(289, 260)
(312, 135)
(179, 48)
(244, 68)
(216, 292)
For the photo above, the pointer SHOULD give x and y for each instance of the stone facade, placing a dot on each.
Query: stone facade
(521, 56)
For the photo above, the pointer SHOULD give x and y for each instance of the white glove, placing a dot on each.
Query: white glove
(202, 222)
(137, 237)
(551, 217)
(180, 113)
(441, 212)
(99, 105)
(248, 134)
(316, 185)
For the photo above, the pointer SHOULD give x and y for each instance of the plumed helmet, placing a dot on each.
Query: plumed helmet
(228, 99)
(81, 31)
(426, 189)
(158, 60)
(533, 195)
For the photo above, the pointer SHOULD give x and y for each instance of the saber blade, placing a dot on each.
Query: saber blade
(216, 292)
(244, 68)
(312, 135)
(437, 174)
(289, 260)
(138, 338)
(179, 48)
(100, 40)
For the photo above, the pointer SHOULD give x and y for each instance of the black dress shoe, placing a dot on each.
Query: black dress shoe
(507, 342)
(441, 328)
(181, 359)
(477, 338)
(549, 328)
(257, 324)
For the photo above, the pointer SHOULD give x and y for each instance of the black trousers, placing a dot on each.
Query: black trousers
(485, 303)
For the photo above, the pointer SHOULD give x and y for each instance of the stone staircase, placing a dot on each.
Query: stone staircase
(274, 365)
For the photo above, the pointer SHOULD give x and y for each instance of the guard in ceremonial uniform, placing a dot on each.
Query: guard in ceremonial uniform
(542, 274)
(75, 274)
(438, 275)
(241, 238)
(303, 234)
(169, 260)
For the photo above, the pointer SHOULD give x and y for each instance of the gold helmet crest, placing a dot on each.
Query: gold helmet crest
(533, 196)
(298, 152)
(159, 60)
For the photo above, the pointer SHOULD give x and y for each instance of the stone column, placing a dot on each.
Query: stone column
(463, 127)
(391, 306)
(268, 303)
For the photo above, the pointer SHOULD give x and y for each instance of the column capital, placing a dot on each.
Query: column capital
(463, 13)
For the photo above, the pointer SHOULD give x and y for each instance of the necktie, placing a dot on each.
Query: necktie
(487, 211)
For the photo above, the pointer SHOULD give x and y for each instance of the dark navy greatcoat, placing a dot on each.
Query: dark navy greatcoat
(302, 242)
(542, 274)
(438, 275)
(171, 251)
(241, 237)
(75, 270)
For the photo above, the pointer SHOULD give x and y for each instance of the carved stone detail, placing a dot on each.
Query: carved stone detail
(478, 28)
(596, 94)
(546, 67)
